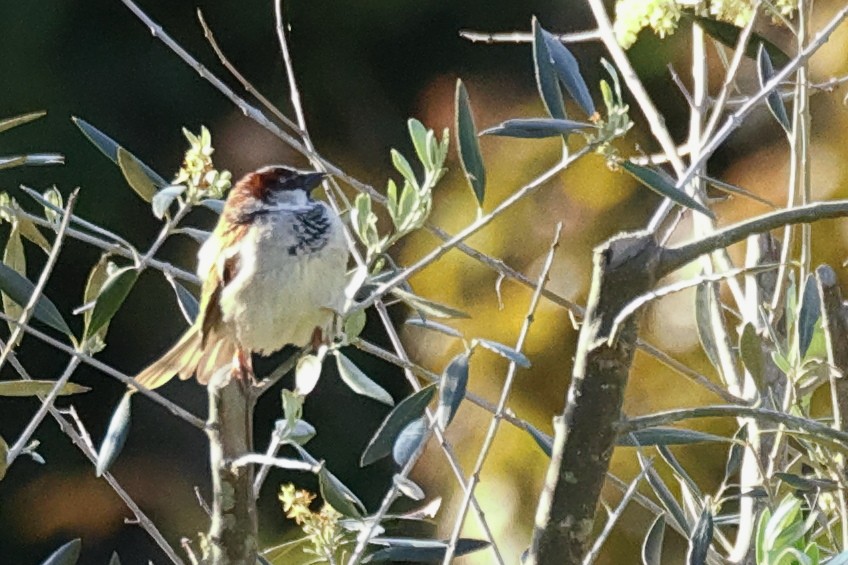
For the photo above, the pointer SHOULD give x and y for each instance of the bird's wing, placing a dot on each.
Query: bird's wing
(221, 272)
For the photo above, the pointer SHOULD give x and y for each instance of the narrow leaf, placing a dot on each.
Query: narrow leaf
(116, 435)
(337, 495)
(505, 351)
(546, 78)
(408, 488)
(420, 551)
(536, 128)
(96, 279)
(701, 538)
(68, 554)
(354, 324)
(737, 450)
(428, 307)
(661, 490)
(704, 294)
(109, 147)
(728, 34)
(216, 206)
(469, 147)
(407, 410)
(667, 436)
(568, 71)
(359, 381)
(115, 559)
(661, 185)
(543, 440)
(20, 289)
(418, 134)
(4, 454)
(10, 123)
(809, 315)
(751, 352)
(188, 304)
(765, 72)
(111, 297)
(435, 326)
(409, 441)
(33, 388)
(452, 389)
(13, 257)
(162, 200)
(403, 167)
(652, 546)
(733, 189)
(135, 175)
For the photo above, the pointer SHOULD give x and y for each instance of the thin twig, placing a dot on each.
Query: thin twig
(526, 37)
(474, 478)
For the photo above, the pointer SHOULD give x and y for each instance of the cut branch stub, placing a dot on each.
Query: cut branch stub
(624, 268)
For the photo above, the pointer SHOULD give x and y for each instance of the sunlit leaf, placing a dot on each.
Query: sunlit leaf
(469, 147)
(663, 493)
(68, 554)
(431, 325)
(452, 389)
(306, 374)
(359, 381)
(403, 167)
(407, 410)
(354, 324)
(408, 488)
(505, 351)
(807, 484)
(737, 450)
(216, 206)
(536, 128)
(135, 175)
(733, 189)
(765, 72)
(409, 441)
(661, 185)
(337, 495)
(568, 71)
(188, 304)
(33, 388)
(418, 134)
(14, 257)
(162, 200)
(109, 147)
(4, 454)
(428, 307)
(652, 546)
(20, 289)
(111, 297)
(546, 78)
(116, 435)
(9, 123)
(809, 315)
(544, 441)
(96, 279)
(704, 296)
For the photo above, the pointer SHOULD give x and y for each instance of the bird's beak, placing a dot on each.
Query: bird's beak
(312, 180)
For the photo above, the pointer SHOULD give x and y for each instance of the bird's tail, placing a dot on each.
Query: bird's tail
(188, 357)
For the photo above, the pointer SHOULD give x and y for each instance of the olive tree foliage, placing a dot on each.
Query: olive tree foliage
(775, 337)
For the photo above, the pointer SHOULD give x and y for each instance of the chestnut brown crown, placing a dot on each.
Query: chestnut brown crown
(262, 183)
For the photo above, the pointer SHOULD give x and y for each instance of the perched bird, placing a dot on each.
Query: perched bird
(273, 274)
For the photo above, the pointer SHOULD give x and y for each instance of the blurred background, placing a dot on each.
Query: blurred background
(363, 69)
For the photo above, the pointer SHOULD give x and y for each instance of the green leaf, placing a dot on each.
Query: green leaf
(536, 128)
(428, 307)
(4, 454)
(337, 495)
(546, 78)
(807, 484)
(420, 550)
(403, 167)
(469, 147)
(34, 388)
(568, 71)
(109, 147)
(705, 293)
(765, 72)
(10, 123)
(661, 490)
(418, 134)
(652, 546)
(409, 441)
(408, 488)
(809, 315)
(115, 559)
(505, 351)
(68, 554)
(659, 184)
(666, 436)
(116, 435)
(354, 324)
(96, 279)
(162, 200)
(135, 175)
(701, 538)
(359, 381)
(111, 297)
(407, 410)
(735, 453)
(20, 289)
(14, 257)
(452, 389)
(728, 34)
(188, 304)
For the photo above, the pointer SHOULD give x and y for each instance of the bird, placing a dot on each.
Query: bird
(273, 274)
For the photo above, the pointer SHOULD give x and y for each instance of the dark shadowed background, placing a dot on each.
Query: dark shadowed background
(364, 67)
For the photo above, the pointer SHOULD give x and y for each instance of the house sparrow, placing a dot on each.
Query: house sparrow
(273, 274)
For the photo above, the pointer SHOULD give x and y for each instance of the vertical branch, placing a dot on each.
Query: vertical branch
(232, 534)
